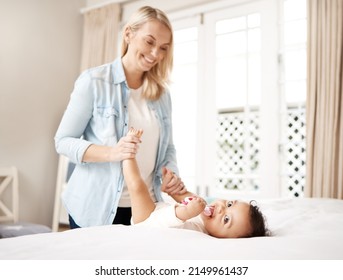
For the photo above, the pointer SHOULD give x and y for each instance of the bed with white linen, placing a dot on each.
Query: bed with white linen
(305, 228)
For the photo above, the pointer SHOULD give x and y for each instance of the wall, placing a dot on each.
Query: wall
(130, 6)
(39, 61)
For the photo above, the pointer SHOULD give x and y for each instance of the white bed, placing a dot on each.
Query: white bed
(309, 229)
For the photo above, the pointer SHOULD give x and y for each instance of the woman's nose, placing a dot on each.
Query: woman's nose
(154, 51)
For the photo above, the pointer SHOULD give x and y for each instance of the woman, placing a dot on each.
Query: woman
(106, 100)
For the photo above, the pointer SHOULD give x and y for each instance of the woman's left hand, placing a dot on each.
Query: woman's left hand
(171, 183)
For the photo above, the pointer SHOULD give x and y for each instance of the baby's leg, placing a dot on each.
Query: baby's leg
(141, 203)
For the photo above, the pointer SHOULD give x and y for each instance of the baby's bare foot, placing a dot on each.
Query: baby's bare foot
(135, 132)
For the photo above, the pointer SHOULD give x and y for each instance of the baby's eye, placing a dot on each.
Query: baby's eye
(226, 219)
(229, 203)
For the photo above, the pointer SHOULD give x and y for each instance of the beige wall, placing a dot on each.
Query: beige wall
(40, 42)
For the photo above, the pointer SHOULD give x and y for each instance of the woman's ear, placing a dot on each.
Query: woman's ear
(128, 34)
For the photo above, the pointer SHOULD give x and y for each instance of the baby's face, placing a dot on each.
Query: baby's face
(229, 219)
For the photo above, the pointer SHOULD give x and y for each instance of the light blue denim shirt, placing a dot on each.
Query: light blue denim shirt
(97, 113)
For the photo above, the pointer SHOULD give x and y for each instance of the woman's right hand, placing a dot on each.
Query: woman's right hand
(126, 148)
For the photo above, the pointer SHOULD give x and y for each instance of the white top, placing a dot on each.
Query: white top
(164, 217)
(141, 117)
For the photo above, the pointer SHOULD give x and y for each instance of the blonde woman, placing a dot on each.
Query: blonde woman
(105, 102)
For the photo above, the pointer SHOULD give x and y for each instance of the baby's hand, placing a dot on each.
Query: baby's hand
(193, 208)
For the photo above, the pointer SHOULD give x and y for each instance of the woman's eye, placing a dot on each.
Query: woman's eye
(164, 49)
(150, 42)
(226, 219)
(229, 203)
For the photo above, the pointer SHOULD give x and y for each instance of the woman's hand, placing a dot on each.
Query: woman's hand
(171, 183)
(126, 148)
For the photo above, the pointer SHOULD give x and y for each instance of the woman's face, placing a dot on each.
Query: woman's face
(147, 46)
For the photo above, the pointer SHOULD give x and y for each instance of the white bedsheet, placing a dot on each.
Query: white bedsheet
(302, 229)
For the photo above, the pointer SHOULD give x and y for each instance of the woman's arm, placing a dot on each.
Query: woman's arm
(76, 118)
(68, 140)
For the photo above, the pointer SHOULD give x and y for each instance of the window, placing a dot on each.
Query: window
(238, 88)
(293, 95)
(238, 99)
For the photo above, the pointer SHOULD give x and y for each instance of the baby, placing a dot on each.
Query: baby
(221, 219)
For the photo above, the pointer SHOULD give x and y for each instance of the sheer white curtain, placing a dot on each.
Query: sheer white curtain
(100, 32)
(324, 122)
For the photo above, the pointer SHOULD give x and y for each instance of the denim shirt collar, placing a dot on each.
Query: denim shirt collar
(118, 74)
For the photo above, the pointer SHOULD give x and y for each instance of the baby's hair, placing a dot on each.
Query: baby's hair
(257, 221)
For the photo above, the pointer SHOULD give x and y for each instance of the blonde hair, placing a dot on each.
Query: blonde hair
(156, 80)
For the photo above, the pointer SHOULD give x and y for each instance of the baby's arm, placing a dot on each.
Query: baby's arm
(192, 209)
(184, 212)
